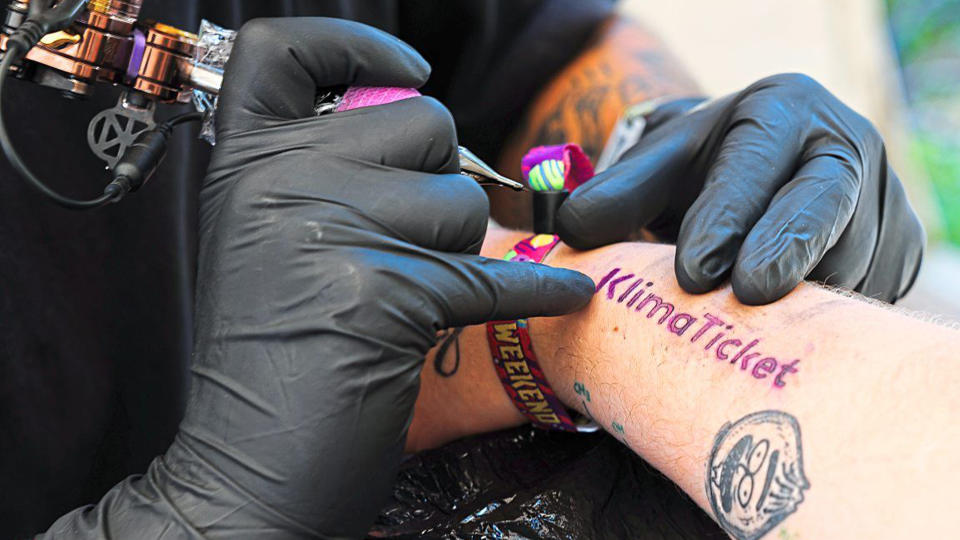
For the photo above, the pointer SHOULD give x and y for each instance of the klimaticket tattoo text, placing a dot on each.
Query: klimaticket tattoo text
(711, 330)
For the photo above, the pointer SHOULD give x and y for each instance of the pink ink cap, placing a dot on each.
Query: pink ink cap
(368, 96)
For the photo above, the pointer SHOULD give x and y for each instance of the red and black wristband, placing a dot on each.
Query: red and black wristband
(551, 172)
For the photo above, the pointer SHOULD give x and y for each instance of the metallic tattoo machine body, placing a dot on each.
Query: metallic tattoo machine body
(108, 43)
(76, 45)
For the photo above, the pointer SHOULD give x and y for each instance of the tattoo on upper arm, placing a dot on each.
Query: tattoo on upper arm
(578, 115)
(755, 476)
(715, 333)
(624, 65)
(451, 337)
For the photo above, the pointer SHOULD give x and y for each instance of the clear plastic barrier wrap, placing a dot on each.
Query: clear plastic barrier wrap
(213, 50)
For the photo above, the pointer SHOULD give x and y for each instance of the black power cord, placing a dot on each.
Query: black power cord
(6, 144)
(41, 19)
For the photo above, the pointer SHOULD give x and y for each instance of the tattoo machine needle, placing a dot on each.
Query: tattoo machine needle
(474, 167)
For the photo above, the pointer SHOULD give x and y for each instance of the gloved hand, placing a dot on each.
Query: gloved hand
(769, 186)
(332, 250)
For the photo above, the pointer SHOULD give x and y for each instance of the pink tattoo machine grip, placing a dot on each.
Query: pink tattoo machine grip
(368, 96)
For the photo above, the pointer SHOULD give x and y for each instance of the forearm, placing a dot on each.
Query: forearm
(872, 390)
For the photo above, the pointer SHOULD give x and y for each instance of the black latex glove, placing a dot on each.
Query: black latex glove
(332, 250)
(775, 184)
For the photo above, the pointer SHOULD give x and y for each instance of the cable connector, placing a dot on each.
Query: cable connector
(140, 161)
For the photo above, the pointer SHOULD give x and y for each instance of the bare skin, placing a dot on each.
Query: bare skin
(841, 414)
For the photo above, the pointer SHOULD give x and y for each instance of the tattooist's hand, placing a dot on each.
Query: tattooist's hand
(332, 250)
(769, 186)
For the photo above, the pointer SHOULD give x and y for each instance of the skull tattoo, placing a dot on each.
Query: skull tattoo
(755, 473)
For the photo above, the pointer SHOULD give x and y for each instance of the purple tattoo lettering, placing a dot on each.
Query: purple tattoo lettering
(756, 363)
(784, 369)
(743, 351)
(746, 360)
(603, 281)
(722, 355)
(612, 284)
(681, 317)
(764, 367)
(639, 294)
(658, 304)
(629, 290)
(711, 322)
(714, 340)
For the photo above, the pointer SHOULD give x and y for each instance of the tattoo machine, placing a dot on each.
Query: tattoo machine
(74, 45)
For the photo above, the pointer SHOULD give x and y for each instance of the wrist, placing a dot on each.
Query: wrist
(581, 348)
(462, 398)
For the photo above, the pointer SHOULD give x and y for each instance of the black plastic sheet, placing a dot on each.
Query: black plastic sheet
(528, 483)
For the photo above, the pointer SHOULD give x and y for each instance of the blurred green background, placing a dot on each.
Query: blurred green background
(926, 36)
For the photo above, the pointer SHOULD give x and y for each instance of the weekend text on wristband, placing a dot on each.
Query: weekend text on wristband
(551, 171)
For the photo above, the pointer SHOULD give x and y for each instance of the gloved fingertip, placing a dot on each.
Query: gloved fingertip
(418, 68)
(755, 286)
(586, 287)
(573, 230)
(517, 290)
(916, 246)
(697, 275)
(689, 283)
(571, 288)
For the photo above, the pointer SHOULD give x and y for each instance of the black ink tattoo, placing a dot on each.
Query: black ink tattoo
(450, 338)
(578, 115)
(755, 475)
(623, 66)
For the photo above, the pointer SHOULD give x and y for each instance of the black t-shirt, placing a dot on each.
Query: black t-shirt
(96, 308)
